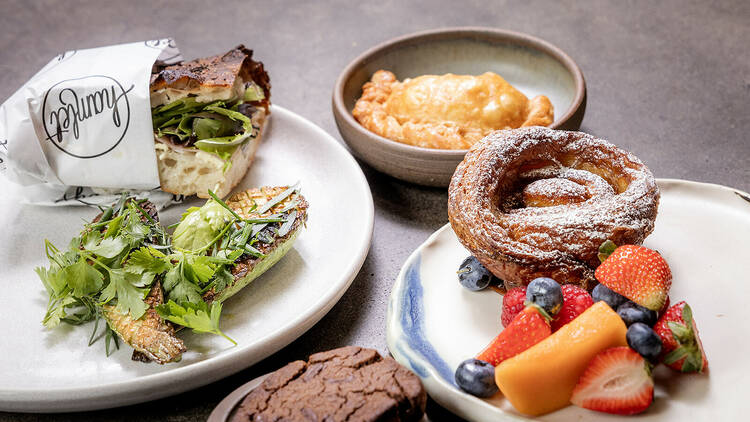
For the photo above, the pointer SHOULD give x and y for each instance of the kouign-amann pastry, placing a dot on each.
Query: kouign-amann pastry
(535, 202)
(446, 111)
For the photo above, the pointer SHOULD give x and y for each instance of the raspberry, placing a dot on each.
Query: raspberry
(575, 301)
(513, 304)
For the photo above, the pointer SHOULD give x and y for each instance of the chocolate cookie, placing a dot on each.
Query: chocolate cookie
(346, 384)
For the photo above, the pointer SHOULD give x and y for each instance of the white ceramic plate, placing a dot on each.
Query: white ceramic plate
(702, 230)
(54, 370)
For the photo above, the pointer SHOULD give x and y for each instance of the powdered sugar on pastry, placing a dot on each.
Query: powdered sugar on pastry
(590, 190)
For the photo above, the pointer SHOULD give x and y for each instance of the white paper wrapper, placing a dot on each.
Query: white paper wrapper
(80, 129)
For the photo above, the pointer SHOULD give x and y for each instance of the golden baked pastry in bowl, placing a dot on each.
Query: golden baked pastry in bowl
(535, 202)
(446, 111)
(456, 62)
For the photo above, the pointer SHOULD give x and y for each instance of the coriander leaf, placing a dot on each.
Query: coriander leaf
(56, 311)
(135, 231)
(178, 288)
(222, 278)
(199, 269)
(113, 228)
(83, 278)
(84, 311)
(52, 279)
(185, 291)
(129, 297)
(109, 247)
(197, 316)
(91, 239)
(146, 260)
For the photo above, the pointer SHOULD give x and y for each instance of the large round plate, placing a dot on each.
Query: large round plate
(54, 370)
(703, 231)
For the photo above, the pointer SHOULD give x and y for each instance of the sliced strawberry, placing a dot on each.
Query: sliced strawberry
(528, 328)
(682, 349)
(513, 304)
(575, 301)
(638, 273)
(617, 380)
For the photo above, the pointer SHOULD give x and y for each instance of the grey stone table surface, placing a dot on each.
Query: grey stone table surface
(669, 81)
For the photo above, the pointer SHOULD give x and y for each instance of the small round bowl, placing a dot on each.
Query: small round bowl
(532, 65)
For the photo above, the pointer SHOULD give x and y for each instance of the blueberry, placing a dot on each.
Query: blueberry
(631, 313)
(473, 275)
(476, 377)
(644, 340)
(546, 293)
(610, 297)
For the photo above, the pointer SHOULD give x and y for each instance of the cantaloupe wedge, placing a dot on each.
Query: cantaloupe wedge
(541, 379)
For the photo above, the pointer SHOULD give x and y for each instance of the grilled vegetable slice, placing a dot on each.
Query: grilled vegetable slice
(276, 239)
(150, 335)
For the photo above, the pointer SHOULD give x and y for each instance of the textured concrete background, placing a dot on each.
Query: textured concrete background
(669, 81)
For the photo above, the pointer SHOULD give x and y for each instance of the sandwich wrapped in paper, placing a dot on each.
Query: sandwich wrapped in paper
(208, 116)
(133, 117)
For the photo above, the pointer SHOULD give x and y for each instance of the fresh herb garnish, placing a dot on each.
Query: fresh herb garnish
(198, 316)
(116, 261)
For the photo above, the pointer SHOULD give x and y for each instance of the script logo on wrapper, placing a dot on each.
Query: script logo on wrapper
(86, 117)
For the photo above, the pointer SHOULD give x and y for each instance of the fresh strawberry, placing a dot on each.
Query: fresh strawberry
(513, 304)
(638, 273)
(575, 301)
(617, 380)
(682, 349)
(528, 328)
(664, 308)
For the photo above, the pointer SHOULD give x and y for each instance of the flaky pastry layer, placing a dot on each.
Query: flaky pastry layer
(558, 232)
(447, 111)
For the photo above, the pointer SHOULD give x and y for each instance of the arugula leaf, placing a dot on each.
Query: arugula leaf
(83, 278)
(197, 316)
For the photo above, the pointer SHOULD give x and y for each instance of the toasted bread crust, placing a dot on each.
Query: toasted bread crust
(217, 77)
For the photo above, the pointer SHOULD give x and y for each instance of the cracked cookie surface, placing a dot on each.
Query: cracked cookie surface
(346, 384)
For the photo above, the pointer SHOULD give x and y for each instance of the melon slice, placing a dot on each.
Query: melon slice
(541, 379)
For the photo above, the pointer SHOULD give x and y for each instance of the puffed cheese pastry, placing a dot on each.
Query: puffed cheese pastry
(446, 111)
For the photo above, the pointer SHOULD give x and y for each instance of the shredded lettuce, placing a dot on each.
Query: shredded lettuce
(213, 127)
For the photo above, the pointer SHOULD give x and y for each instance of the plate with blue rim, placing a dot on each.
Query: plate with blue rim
(702, 230)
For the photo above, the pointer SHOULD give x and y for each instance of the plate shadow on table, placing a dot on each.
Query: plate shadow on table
(418, 206)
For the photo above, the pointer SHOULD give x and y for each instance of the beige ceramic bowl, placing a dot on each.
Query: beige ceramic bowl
(532, 65)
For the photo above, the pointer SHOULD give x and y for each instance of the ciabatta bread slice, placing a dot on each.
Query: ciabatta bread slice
(185, 169)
